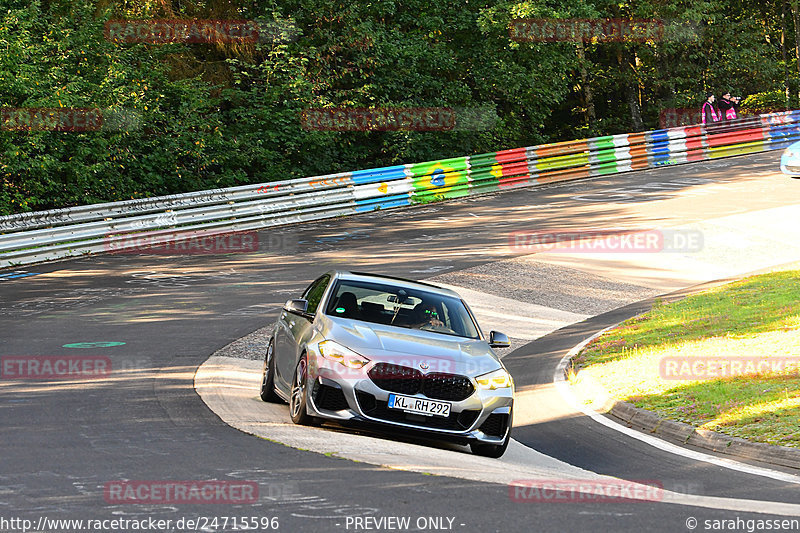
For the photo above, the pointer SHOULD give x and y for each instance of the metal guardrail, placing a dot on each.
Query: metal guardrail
(46, 235)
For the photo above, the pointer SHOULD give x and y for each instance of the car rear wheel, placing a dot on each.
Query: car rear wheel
(298, 399)
(491, 450)
(267, 392)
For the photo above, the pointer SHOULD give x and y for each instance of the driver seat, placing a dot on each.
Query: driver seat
(348, 301)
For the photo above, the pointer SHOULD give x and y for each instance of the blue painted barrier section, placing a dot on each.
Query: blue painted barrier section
(386, 202)
(659, 147)
(373, 175)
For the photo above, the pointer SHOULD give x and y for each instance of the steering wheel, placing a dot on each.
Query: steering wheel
(431, 327)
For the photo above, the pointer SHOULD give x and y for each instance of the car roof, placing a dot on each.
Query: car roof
(397, 282)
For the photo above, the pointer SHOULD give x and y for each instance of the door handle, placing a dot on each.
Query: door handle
(291, 324)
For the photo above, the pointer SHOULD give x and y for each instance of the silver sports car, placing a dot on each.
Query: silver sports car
(405, 355)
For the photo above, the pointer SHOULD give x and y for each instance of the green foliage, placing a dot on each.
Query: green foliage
(765, 100)
(199, 116)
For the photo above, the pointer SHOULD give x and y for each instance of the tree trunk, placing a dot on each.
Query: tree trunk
(796, 17)
(783, 52)
(633, 104)
(631, 90)
(588, 97)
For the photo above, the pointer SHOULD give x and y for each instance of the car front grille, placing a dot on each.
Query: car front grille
(436, 385)
(447, 387)
(792, 168)
(396, 378)
(374, 408)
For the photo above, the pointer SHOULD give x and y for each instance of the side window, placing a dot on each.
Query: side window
(314, 293)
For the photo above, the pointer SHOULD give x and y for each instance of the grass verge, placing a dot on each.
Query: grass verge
(649, 360)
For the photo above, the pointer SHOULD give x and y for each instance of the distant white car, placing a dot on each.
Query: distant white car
(399, 354)
(790, 160)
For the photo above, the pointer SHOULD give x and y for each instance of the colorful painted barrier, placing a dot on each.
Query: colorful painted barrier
(32, 237)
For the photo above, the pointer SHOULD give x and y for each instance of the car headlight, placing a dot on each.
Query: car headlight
(344, 356)
(499, 379)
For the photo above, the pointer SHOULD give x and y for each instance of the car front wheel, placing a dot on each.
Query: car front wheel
(299, 395)
(267, 392)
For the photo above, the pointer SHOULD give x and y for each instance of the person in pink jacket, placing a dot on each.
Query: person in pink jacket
(709, 113)
(728, 105)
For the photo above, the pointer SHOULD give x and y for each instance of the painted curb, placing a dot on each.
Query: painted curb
(650, 422)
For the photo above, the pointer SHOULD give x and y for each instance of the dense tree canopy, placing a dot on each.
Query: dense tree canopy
(193, 116)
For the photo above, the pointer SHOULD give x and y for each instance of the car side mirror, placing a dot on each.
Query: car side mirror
(297, 307)
(498, 340)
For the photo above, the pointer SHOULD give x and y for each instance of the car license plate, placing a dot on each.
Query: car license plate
(419, 406)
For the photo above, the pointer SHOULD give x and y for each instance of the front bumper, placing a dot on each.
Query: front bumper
(790, 166)
(485, 416)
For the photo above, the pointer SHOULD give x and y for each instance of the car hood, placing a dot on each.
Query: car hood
(424, 350)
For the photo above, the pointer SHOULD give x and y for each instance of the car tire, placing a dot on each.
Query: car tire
(298, 397)
(491, 450)
(267, 392)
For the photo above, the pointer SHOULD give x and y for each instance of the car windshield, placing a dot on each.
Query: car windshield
(402, 307)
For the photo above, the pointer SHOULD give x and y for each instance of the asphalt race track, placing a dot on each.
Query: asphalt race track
(64, 442)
